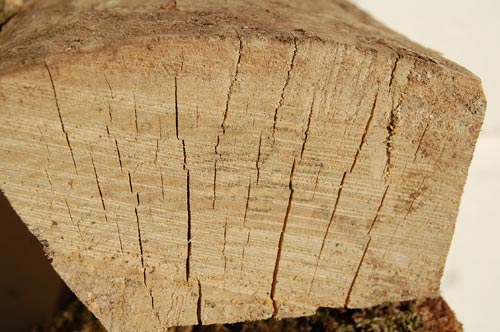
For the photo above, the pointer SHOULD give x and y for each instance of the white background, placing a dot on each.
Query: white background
(467, 32)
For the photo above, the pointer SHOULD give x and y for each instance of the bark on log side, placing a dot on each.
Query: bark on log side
(199, 162)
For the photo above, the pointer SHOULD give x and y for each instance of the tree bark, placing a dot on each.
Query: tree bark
(200, 162)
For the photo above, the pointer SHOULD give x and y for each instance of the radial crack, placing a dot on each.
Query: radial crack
(189, 238)
(365, 132)
(176, 109)
(247, 202)
(119, 155)
(391, 129)
(60, 117)
(351, 287)
(420, 141)
(135, 117)
(199, 304)
(382, 200)
(348, 297)
(139, 237)
(77, 223)
(224, 251)
(285, 85)
(332, 217)
(306, 132)
(280, 244)
(231, 84)
(104, 205)
(257, 162)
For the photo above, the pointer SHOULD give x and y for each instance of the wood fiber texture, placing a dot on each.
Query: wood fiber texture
(200, 162)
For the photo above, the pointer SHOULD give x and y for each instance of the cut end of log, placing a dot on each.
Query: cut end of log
(217, 162)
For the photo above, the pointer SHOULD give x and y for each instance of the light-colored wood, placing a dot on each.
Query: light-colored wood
(217, 161)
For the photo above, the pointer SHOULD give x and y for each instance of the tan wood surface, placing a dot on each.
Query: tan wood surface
(217, 161)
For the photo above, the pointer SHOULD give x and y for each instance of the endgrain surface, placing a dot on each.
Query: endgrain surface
(197, 162)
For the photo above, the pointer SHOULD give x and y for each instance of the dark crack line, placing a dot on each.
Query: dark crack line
(393, 71)
(243, 252)
(112, 97)
(157, 151)
(176, 109)
(285, 85)
(77, 223)
(420, 141)
(382, 200)
(60, 117)
(135, 117)
(317, 180)
(231, 84)
(199, 304)
(109, 87)
(214, 197)
(257, 162)
(99, 188)
(139, 237)
(184, 165)
(306, 132)
(351, 287)
(104, 205)
(189, 238)
(162, 187)
(247, 202)
(365, 132)
(280, 244)
(130, 182)
(224, 252)
(119, 155)
(330, 223)
(391, 128)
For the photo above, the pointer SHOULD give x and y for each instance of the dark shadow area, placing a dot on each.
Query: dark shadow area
(31, 292)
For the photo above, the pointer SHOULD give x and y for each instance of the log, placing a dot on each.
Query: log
(201, 162)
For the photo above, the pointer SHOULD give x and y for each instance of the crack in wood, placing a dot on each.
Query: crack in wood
(224, 253)
(247, 202)
(104, 205)
(391, 126)
(112, 97)
(231, 84)
(285, 85)
(257, 162)
(199, 304)
(341, 186)
(420, 141)
(365, 132)
(135, 118)
(316, 181)
(176, 109)
(349, 291)
(280, 244)
(77, 223)
(189, 238)
(306, 132)
(365, 250)
(61, 121)
(139, 237)
(119, 155)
